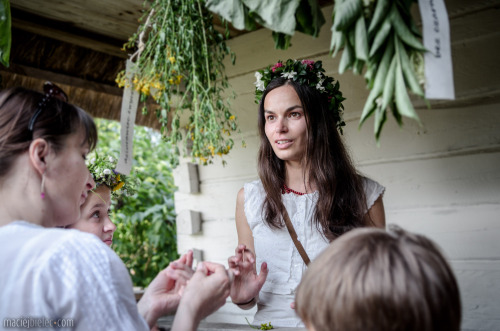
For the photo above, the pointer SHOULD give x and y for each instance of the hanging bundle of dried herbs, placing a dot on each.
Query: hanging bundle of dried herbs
(179, 63)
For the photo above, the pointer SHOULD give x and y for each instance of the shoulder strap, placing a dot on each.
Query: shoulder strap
(293, 234)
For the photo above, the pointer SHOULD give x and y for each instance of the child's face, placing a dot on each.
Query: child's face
(95, 215)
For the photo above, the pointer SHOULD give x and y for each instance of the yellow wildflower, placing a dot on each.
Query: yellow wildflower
(157, 95)
(157, 85)
(232, 117)
(212, 149)
(171, 59)
(118, 186)
(145, 89)
(171, 81)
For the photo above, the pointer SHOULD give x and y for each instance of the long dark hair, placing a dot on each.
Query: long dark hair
(341, 205)
(55, 122)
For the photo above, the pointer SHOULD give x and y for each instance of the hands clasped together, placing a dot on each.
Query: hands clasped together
(193, 295)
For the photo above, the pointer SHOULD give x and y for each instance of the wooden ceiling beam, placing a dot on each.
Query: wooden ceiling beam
(63, 79)
(63, 32)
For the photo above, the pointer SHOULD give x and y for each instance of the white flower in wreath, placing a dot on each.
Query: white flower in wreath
(259, 84)
(320, 86)
(107, 172)
(289, 75)
(111, 159)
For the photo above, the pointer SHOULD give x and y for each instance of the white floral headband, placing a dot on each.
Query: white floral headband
(104, 173)
(307, 73)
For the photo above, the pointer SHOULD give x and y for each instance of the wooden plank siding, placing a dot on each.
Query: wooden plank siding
(442, 179)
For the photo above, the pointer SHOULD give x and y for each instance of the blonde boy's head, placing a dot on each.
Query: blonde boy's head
(370, 279)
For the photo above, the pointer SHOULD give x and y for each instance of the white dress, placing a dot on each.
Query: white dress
(275, 247)
(63, 276)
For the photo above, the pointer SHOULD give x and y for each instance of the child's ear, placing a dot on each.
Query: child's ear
(38, 152)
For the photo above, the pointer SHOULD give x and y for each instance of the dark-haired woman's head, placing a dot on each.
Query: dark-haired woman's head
(319, 150)
(322, 134)
(54, 123)
(43, 145)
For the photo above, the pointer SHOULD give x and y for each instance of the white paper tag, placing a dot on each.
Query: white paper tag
(438, 65)
(130, 101)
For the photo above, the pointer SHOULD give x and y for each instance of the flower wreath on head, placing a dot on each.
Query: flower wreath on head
(103, 171)
(306, 73)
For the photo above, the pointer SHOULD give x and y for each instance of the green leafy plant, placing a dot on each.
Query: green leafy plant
(381, 35)
(145, 238)
(378, 37)
(179, 63)
(282, 17)
(5, 33)
(263, 326)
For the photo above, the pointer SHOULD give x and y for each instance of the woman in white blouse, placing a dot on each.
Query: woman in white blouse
(67, 278)
(306, 174)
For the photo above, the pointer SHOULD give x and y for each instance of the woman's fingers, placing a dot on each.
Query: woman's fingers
(180, 275)
(186, 259)
(248, 256)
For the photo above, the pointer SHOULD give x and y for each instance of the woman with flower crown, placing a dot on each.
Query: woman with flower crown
(67, 278)
(308, 194)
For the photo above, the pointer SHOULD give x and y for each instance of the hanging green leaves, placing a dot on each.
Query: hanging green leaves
(381, 36)
(5, 33)
(180, 65)
(281, 17)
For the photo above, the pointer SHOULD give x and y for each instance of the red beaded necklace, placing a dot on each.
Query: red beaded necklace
(285, 189)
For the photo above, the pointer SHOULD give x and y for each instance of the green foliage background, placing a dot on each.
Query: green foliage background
(145, 238)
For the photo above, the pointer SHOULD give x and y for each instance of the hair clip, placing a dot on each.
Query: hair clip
(51, 90)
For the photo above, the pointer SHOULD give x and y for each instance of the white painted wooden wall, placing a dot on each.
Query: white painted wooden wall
(442, 180)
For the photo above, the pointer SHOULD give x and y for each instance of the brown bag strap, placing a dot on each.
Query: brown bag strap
(293, 234)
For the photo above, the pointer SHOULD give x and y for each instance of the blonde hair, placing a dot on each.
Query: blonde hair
(370, 279)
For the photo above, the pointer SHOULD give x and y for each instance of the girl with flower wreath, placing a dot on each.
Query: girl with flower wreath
(308, 194)
(94, 216)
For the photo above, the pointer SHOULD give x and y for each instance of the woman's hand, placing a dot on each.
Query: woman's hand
(246, 284)
(163, 294)
(205, 293)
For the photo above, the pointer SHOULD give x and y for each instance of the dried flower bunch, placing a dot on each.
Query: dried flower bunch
(179, 62)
